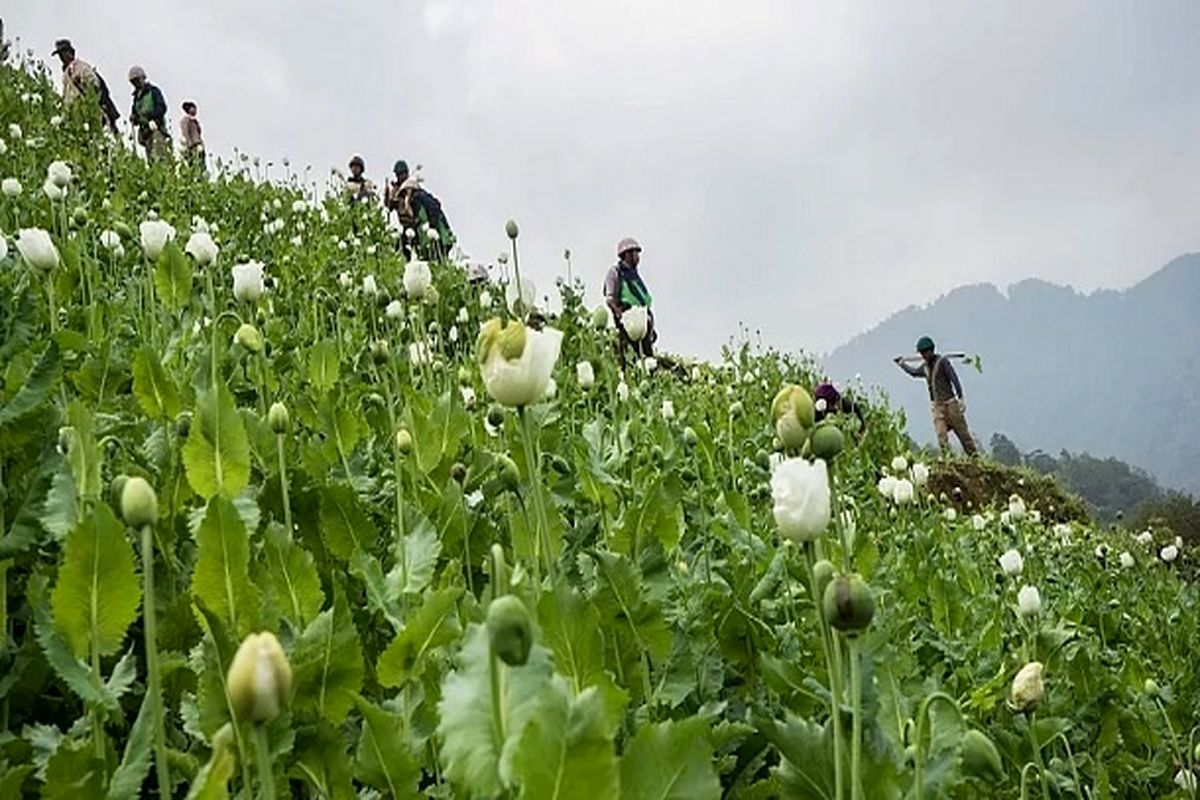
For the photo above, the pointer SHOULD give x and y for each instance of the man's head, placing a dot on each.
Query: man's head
(189, 108)
(400, 170)
(629, 251)
(925, 348)
(64, 50)
(137, 76)
(357, 166)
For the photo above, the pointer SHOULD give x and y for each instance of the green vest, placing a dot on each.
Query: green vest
(633, 294)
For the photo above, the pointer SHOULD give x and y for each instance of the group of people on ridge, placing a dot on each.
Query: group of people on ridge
(418, 212)
(81, 82)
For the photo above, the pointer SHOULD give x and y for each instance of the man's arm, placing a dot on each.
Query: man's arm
(612, 291)
(954, 380)
(915, 372)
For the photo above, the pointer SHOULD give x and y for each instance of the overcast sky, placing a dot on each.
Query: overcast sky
(805, 168)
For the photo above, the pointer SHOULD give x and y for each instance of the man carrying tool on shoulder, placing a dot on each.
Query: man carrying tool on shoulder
(945, 394)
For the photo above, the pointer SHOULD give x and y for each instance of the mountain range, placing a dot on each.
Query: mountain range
(1111, 373)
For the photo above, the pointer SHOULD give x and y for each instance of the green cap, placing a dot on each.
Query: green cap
(924, 343)
(400, 167)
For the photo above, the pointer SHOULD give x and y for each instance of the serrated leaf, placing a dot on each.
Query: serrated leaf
(173, 277)
(564, 751)
(222, 578)
(217, 453)
(83, 454)
(327, 664)
(39, 383)
(365, 567)
(570, 626)
(153, 388)
(622, 600)
(212, 781)
(74, 672)
(433, 625)
(475, 752)
(345, 526)
(383, 759)
(13, 779)
(123, 675)
(128, 778)
(421, 551)
(670, 760)
(97, 593)
(323, 365)
(292, 577)
(60, 512)
(74, 772)
(322, 761)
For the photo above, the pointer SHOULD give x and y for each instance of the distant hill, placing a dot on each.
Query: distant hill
(1112, 373)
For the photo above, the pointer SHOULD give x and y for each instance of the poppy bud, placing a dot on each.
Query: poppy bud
(823, 572)
(183, 424)
(510, 631)
(495, 415)
(690, 438)
(404, 441)
(379, 351)
(511, 229)
(278, 417)
(139, 504)
(249, 337)
(260, 678)
(980, 758)
(1028, 687)
(459, 472)
(510, 476)
(849, 605)
(827, 441)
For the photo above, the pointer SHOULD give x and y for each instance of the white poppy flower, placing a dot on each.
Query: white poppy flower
(11, 187)
(887, 486)
(200, 246)
(551, 389)
(485, 298)
(468, 396)
(59, 174)
(585, 375)
(417, 277)
(369, 286)
(453, 334)
(1126, 559)
(650, 363)
(3, 247)
(418, 353)
(668, 410)
(903, 491)
(1012, 563)
(37, 249)
(155, 234)
(1145, 538)
(1016, 508)
(800, 490)
(920, 474)
(110, 240)
(820, 405)
(1169, 553)
(950, 514)
(1029, 601)
(14, 131)
(344, 280)
(54, 191)
(899, 464)
(636, 322)
(516, 361)
(622, 391)
(394, 310)
(978, 522)
(248, 283)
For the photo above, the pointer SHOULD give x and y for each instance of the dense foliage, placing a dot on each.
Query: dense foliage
(260, 537)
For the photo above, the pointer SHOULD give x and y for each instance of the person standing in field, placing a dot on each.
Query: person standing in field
(945, 394)
(358, 189)
(149, 114)
(191, 138)
(624, 290)
(81, 80)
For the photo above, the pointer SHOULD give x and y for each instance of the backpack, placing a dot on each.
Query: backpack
(107, 106)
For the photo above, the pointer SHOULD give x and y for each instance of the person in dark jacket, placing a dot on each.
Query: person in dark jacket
(426, 229)
(829, 400)
(149, 114)
(945, 395)
(624, 290)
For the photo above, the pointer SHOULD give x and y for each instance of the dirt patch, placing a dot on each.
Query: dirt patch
(972, 485)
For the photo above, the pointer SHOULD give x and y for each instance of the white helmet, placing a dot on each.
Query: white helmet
(627, 244)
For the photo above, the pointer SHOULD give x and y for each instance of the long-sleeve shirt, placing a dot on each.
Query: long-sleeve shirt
(190, 137)
(79, 78)
(940, 376)
(149, 106)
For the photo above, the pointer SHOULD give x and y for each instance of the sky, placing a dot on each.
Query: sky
(802, 169)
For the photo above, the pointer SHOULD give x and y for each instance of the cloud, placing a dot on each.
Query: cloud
(806, 168)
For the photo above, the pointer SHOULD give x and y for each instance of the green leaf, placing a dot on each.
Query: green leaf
(323, 365)
(153, 388)
(365, 567)
(222, 578)
(60, 512)
(421, 551)
(83, 454)
(74, 672)
(39, 383)
(345, 526)
(292, 578)
(433, 625)
(807, 749)
(217, 453)
(74, 772)
(321, 761)
(570, 627)
(212, 781)
(476, 753)
(564, 751)
(97, 593)
(670, 760)
(621, 600)
(327, 663)
(127, 781)
(173, 277)
(12, 779)
(383, 759)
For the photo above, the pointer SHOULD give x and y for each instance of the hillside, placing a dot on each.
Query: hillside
(1113, 373)
(288, 512)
